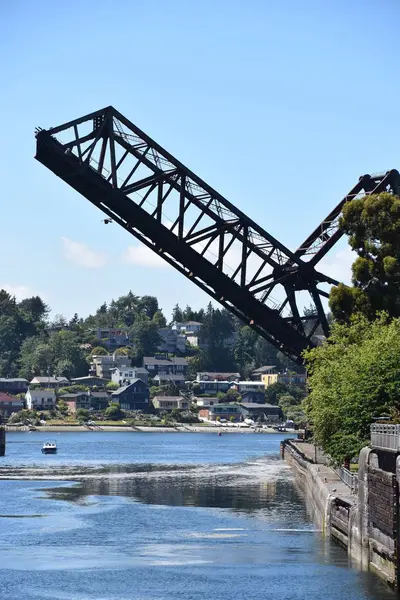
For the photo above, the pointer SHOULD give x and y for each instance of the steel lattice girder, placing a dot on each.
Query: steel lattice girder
(175, 213)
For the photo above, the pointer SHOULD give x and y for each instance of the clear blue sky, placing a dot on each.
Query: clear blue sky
(279, 105)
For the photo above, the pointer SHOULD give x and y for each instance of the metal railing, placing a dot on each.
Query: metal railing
(385, 437)
(349, 478)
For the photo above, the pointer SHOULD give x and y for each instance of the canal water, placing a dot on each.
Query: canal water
(160, 516)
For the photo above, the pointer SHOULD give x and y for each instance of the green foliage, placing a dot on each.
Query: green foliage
(98, 351)
(287, 401)
(373, 226)
(111, 386)
(18, 322)
(159, 319)
(62, 407)
(353, 378)
(27, 417)
(231, 395)
(274, 391)
(155, 391)
(59, 354)
(114, 412)
(145, 338)
(82, 414)
(72, 389)
(123, 351)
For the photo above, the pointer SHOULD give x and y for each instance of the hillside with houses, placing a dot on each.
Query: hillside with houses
(128, 361)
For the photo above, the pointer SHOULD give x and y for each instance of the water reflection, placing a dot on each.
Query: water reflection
(224, 486)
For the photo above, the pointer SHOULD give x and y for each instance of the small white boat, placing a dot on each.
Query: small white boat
(49, 448)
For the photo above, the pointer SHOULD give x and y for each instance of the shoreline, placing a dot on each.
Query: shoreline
(139, 429)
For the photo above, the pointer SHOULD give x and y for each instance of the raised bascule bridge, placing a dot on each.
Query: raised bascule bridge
(143, 188)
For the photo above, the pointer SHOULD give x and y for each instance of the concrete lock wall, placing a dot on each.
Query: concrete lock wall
(365, 523)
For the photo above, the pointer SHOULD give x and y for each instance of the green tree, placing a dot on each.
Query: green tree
(62, 408)
(111, 386)
(373, 226)
(287, 401)
(218, 327)
(159, 319)
(59, 354)
(82, 414)
(98, 351)
(274, 391)
(145, 337)
(177, 314)
(114, 412)
(148, 306)
(353, 378)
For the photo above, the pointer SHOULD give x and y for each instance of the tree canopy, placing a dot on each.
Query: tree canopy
(33, 344)
(373, 226)
(354, 378)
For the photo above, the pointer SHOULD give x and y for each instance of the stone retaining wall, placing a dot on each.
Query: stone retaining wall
(365, 524)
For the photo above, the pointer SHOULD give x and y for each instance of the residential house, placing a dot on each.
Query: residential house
(49, 382)
(102, 365)
(206, 401)
(14, 385)
(268, 412)
(266, 369)
(9, 404)
(249, 386)
(99, 400)
(229, 412)
(188, 327)
(164, 380)
(134, 396)
(299, 379)
(211, 388)
(203, 404)
(157, 365)
(126, 375)
(76, 401)
(256, 397)
(170, 403)
(90, 381)
(113, 338)
(208, 376)
(39, 399)
(172, 340)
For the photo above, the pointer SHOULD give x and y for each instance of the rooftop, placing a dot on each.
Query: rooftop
(125, 387)
(13, 379)
(7, 398)
(49, 380)
(264, 369)
(71, 396)
(87, 377)
(167, 377)
(257, 405)
(169, 398)
(175, 360)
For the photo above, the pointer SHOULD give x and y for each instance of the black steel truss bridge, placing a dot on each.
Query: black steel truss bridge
(152, 195)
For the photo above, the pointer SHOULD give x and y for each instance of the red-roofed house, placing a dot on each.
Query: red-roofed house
(10, 404)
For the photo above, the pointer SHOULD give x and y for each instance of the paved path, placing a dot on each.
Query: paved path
(328, 475)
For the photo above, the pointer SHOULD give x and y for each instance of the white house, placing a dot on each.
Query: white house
(250, 386)
(170, 403)
(125, 375)
(101, 365)
(40, 399)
